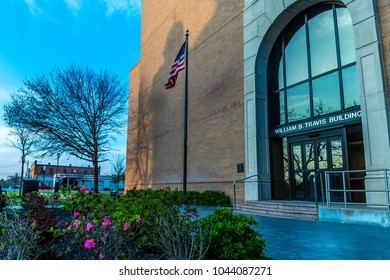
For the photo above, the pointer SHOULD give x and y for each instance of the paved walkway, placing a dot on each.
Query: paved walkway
(289, 239)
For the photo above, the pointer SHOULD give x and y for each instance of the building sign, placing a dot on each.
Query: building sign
(315, 124)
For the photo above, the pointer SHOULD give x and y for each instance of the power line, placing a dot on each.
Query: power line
(9, 165)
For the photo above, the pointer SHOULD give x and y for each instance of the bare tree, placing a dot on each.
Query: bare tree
(74, 110)
(118, 168)
(25, 141)
(12, 181)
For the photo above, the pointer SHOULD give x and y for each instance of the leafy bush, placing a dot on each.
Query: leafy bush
(180, 235)
(40, 219)
(87, 203)
(86, 238)
(216, 198)
(209, 197)
(142, 224)
(35, 209)
(232, 237)
(136, 205)
(3, 201)
(19, 239)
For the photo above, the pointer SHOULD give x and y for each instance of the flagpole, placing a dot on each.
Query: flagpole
(185, 121)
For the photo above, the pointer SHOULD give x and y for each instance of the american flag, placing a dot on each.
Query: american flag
(177, 66)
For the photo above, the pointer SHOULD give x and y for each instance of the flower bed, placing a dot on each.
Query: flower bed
(143, 224)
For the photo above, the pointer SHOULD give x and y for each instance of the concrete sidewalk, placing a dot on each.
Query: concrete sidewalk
(289, 239)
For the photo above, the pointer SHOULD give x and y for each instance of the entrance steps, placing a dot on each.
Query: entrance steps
(302, 210)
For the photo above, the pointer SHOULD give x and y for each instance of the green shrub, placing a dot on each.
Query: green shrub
(232, 237)
(148, 204)
(86, 238)
(3, 201)
(19, 239)
(40, 218)
(216, 198)
(87, 203)
(35, 209)
(179, 235)
(142, 224)
(142, 205)
(209, 198)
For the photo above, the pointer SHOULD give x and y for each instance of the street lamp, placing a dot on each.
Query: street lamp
(44, 173)
(56, 186)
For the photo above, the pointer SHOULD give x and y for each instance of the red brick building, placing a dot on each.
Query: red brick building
(46, 172)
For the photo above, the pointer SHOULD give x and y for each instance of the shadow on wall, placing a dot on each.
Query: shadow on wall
(158, 151)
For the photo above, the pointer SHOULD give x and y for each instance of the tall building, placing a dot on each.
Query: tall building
(292, 92)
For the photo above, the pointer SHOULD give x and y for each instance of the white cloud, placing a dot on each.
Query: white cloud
(9, 157)
(128, 6)
(4, 131)
(4, 94)
(74, 5)
(33, 7)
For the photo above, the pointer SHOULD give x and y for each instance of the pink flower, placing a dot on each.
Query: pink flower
(106, 222)
(189, 215)
(89, 244)
(126, 226)
(138, 221)
(101, 256)
(71, 197)
(76, 214)
(89, 227)
(76, 223)
(83, 189)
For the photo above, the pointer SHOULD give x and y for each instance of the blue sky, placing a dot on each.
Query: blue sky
(37, 35)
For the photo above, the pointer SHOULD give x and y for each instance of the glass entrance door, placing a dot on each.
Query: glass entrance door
(310, 156)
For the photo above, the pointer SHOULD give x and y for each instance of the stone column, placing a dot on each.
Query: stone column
(263, 20)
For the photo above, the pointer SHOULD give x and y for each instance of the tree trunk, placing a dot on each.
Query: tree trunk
(21, 176)
(95, 175)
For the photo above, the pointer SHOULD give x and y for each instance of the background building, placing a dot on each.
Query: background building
(72, 175)
(296, 92)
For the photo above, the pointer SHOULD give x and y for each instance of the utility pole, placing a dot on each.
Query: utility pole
(27, 171)
(16, 180)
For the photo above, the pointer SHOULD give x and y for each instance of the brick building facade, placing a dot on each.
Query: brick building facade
(216, 112)
(45, 172)
(292, 89)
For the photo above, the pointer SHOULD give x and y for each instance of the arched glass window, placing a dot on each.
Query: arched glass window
(312, 67)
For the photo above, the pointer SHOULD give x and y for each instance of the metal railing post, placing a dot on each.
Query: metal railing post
(327, 191)
(344, 190)
(387, 189)
(260, 190)
(315, 190)
(234, 195)
(322, 189)
(238, 181)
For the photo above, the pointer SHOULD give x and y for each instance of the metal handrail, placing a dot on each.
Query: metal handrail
(238, 181)
(326, 190)
(345, 191)
(315, 189)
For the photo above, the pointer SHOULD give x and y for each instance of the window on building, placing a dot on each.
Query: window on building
(312, 67)
(51, 171)
(85, 171)
(65, 171)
